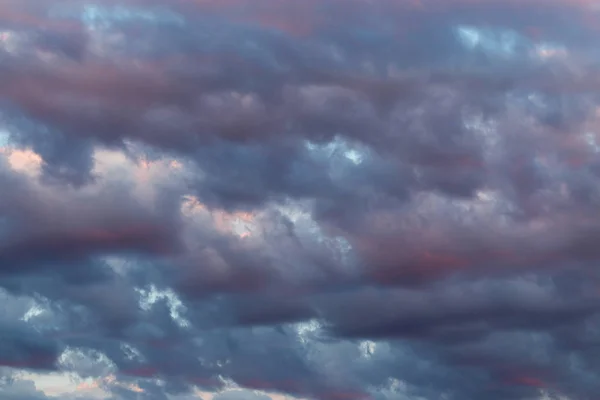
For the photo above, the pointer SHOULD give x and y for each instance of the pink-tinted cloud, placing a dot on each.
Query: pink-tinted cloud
(330, 199)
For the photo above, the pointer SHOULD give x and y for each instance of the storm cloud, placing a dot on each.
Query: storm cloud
(322, 199)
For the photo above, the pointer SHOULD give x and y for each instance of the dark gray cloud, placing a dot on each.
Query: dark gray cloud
(325, 199)
(25, 347)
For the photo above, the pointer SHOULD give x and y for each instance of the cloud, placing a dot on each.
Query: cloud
(22, 390)
(325, 199)
(24, 348)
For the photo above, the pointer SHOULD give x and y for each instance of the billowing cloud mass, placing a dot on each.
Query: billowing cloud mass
(316, 199)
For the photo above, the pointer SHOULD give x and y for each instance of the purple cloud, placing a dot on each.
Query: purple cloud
(321, 199)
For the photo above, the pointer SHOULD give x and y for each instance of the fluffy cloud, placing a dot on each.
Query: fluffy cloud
(321, 199)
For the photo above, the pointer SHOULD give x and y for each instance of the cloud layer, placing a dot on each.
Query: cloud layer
(322, 199)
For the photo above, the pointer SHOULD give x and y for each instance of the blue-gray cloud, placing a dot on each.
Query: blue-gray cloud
(353, 199)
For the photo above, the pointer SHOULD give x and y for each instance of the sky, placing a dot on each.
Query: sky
(294, 200)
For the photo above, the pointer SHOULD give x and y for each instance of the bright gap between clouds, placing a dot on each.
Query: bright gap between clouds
(498, 42)
(507, 43)
(150, 296)
(99, 16)
(351, 152)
